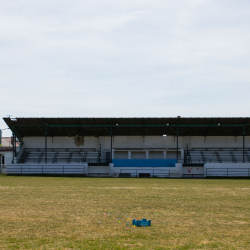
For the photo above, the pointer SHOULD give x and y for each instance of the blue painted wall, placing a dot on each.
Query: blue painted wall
(144, 163)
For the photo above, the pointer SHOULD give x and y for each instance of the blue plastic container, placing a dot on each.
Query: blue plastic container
(141, 223)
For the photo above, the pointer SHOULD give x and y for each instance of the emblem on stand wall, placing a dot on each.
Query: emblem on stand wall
(79, 141)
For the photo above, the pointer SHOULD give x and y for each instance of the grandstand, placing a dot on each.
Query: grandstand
(164, 147)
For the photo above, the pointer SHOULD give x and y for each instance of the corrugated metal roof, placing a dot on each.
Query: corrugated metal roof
(137, 126)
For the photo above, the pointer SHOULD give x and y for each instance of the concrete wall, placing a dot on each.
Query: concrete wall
(227, 169)
(98, 170)
(60, 142)
(142, 142)
(172, 172)
(214, 141)
(121, 155)
(7, 157)
(193, 171)
(170, 141)
(137, 142)
(156, 155)
(148, 154)
(138, 155)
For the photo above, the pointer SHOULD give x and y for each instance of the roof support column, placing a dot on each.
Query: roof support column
(244, 144)
(177, 133)
(45, 144)
(13, 148)
(14, 141)
(111, 149)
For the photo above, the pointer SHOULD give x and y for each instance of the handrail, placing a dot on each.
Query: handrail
(20, 146)
(228, 172)
(46, 169)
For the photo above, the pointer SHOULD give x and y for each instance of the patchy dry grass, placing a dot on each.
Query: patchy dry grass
(68, 213)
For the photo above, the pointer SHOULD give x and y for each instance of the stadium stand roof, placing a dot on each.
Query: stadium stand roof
(193, 126)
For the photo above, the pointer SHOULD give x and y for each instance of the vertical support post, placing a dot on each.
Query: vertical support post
(13, 149)
(244, 144)
(14, 143)
(177, 133)
(45, 144)
(111, 149)
(14, 140)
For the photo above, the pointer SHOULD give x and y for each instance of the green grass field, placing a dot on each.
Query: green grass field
(83, 213)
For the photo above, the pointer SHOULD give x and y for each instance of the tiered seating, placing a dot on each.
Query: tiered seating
(217, 155)
(59, 156)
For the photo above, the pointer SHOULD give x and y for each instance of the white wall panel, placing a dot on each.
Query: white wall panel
(138, 142)
(60, 142)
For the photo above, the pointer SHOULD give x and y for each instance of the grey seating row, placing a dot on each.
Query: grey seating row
(219, 155)
(31, 156)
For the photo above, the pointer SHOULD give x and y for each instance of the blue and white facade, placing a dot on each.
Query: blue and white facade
(133, 155)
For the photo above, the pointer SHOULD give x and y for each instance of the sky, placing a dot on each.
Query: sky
(126, 58)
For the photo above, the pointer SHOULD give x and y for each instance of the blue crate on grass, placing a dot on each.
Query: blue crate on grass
(141, 223)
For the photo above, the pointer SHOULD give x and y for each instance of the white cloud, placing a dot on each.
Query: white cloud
(124, 58)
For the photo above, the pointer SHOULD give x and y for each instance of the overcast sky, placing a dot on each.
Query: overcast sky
(124, 58)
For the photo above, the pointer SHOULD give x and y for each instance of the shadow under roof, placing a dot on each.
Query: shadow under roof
(124, 126)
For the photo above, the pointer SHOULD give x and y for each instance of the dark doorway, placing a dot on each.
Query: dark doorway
(107, 157)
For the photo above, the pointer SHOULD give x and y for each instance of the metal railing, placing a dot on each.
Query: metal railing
(45, 169)
(228, 172)
(152, 172)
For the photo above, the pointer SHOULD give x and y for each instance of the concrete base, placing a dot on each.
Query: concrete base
(209, 169)
(98, 171)
(174, 172)
(227, 169)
